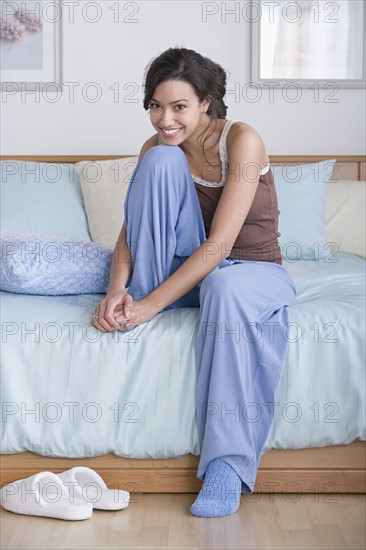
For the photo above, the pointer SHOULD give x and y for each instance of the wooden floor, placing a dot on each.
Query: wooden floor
(163, 521)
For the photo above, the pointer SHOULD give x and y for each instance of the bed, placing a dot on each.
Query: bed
(70, 397)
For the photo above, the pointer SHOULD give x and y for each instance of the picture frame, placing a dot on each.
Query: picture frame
(308, 43)
(31, 42)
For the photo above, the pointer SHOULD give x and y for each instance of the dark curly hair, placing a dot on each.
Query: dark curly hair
(208, 79)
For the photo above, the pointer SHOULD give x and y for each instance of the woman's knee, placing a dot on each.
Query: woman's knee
(162, 155)
(164, 167)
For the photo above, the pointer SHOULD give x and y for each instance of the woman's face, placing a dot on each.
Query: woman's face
(176, 112)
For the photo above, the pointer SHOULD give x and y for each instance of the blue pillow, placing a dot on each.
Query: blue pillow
(43, 198)
(301, 193)
(52, 265)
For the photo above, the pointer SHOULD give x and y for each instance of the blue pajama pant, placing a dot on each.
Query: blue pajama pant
(241, 346)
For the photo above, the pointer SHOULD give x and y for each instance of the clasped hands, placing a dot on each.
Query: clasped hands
(118, 311)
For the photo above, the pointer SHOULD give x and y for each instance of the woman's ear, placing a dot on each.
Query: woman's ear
(205, 105)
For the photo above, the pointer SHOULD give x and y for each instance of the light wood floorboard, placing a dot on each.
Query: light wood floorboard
(163, 521)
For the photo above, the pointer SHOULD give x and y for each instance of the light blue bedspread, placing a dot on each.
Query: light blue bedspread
(70, 390)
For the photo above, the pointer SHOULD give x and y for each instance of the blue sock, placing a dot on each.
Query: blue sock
(220, 492)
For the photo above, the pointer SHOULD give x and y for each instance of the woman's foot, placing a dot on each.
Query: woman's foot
(220, 493)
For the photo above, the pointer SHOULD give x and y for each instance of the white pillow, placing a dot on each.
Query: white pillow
(104, 186)
(345, 217)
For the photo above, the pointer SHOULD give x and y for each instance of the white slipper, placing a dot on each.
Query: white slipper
(43, 494)
(85, 483)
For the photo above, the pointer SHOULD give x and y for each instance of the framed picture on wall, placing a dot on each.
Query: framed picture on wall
(307, 41)
(30, 40)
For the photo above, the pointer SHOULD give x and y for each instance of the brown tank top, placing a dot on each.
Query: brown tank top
(258, 237)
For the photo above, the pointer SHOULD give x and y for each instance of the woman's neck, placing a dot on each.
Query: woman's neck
(193, 148)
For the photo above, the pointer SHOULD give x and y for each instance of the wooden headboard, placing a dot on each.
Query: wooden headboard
(351, 167)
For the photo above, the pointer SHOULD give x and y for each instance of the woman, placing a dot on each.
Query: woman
(200, 230)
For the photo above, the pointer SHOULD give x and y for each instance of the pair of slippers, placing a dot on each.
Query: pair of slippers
(71, 495)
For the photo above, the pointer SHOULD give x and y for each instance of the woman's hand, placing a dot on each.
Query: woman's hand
(114, 303)
(136, 313)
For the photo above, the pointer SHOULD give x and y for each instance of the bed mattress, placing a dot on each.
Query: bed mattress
(69, 390)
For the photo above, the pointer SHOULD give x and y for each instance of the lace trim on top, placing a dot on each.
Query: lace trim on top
(224, 161)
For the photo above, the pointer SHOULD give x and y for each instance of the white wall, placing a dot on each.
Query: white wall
(108, 52)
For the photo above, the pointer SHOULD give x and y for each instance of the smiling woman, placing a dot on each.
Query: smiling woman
(178, 105)
(181, 118)
(201, 222)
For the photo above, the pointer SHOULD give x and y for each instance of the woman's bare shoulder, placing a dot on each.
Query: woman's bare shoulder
(151, 142)
(239, 127)
(245, 131)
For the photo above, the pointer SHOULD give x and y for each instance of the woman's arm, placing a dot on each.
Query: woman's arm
(246, 152)
(121, 267)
